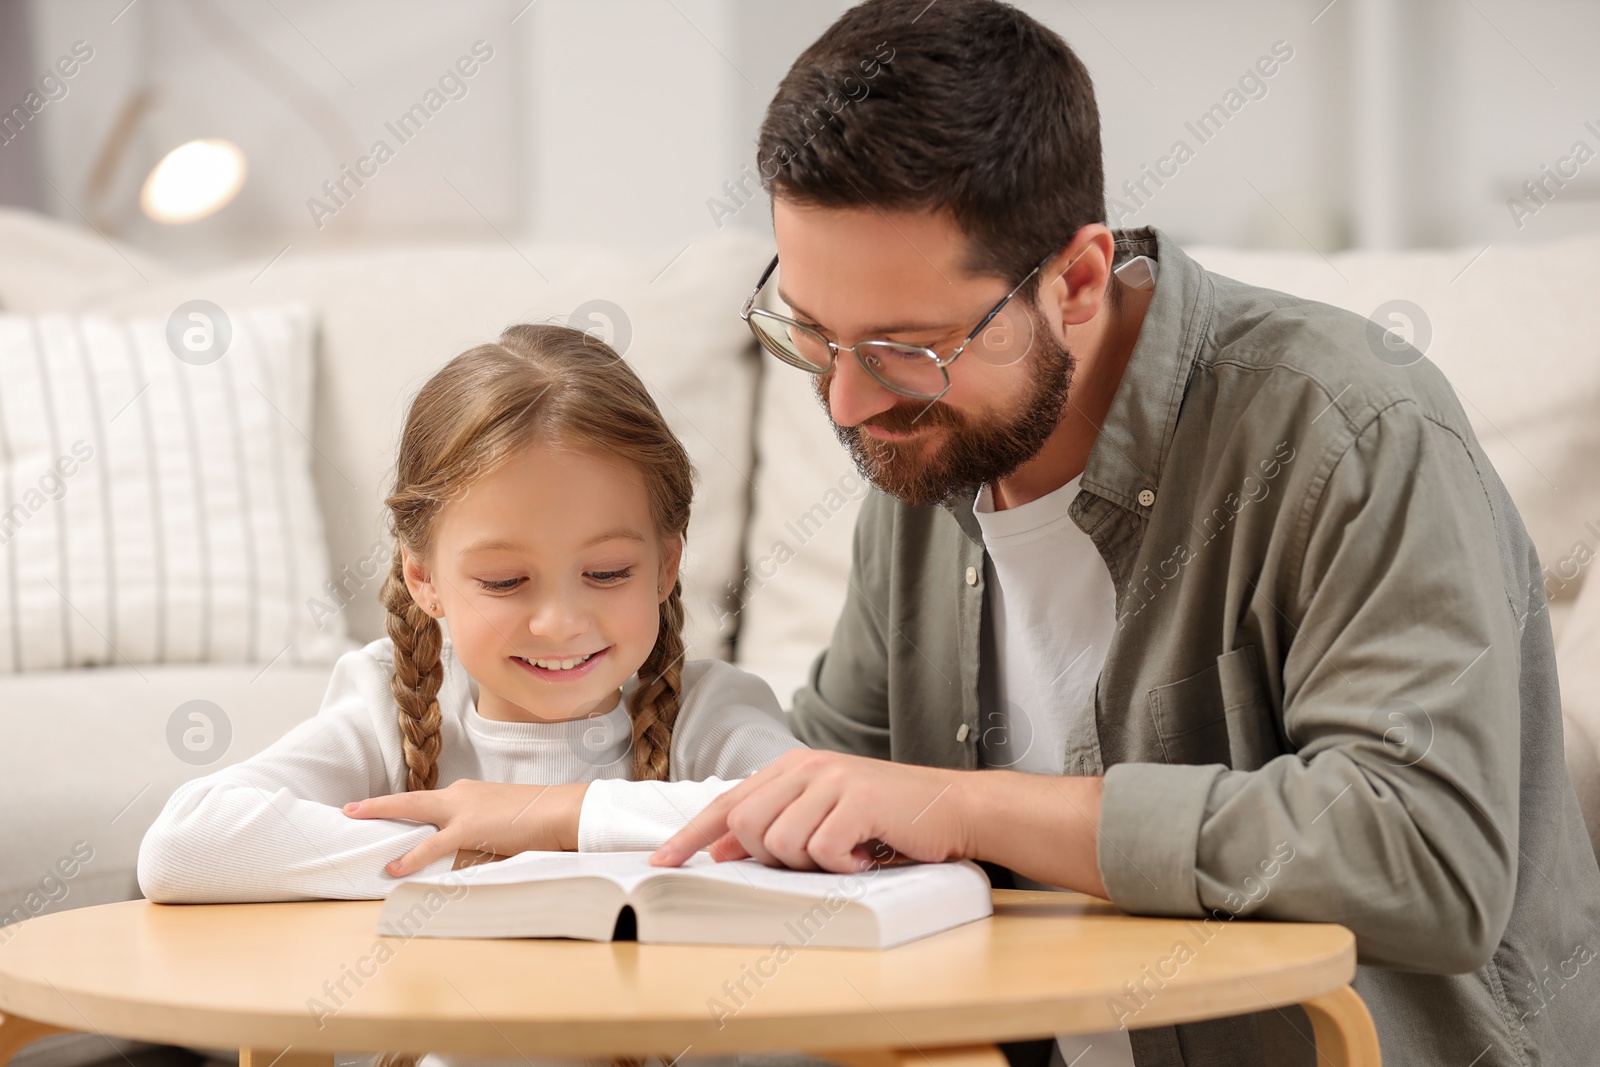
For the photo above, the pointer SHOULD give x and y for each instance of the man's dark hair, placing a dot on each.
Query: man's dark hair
(965, 106)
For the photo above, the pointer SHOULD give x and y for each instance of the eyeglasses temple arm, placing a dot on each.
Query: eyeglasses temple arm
(976, 330)
(744, 312)
(979, 328)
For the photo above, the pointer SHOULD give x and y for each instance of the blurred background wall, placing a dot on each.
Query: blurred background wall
(1386, 123)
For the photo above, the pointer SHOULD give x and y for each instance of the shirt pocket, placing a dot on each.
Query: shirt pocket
(1217, 715)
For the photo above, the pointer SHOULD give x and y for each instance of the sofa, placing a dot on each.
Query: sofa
(89, 762)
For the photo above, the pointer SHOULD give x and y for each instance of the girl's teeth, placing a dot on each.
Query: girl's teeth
(560, 664)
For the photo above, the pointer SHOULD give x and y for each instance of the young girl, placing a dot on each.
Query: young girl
(539, 509)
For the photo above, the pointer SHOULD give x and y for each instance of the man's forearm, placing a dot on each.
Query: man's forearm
(1040, 826)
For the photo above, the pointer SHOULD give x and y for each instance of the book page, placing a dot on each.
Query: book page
(626, 869)
(881, 888)
(881, 906)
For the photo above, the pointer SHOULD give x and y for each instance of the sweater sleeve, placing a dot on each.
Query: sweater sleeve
(272, 827)
(730, 726)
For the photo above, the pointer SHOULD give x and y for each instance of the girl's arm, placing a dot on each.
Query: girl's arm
(729, 727)
(272, 828)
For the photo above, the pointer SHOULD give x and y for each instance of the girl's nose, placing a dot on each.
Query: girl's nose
(555, 619)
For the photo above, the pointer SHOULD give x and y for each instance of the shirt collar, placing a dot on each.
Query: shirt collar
(1130, 450)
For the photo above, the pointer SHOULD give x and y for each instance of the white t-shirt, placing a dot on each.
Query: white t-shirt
(1053, 609)
(272, 827)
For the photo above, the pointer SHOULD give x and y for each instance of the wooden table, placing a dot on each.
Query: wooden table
(293, 983)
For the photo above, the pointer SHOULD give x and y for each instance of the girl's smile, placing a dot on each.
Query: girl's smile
(561, 668)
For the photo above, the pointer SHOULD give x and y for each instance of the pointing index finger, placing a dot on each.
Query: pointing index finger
(701, 832)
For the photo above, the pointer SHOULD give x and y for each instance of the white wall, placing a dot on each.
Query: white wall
(635, 111)
(303, 93)
(1399, 122)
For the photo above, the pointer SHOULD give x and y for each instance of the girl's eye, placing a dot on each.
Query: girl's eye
(500, 586)
(611, 576)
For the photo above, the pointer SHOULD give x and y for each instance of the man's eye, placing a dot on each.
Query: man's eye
(500, 586)
(611, 576)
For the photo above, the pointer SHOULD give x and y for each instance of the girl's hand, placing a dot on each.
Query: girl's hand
(481, 816)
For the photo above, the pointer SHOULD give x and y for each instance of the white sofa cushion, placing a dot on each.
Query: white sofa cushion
(803, 517)
(156, 503)
(390, 317)
(91, 756)
(51, 267)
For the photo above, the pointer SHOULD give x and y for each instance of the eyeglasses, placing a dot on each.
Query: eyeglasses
(910, 370)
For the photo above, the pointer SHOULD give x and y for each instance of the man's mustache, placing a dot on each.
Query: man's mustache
(903, 418)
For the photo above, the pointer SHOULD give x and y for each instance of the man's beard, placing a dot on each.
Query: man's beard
(969, 456)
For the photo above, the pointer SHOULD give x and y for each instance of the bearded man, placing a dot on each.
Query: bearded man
(1173, 590)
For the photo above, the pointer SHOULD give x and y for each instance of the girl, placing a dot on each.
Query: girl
(539, 509)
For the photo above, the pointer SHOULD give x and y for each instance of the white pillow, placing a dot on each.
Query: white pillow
(158, 508)
(50, 266)
(803, 516)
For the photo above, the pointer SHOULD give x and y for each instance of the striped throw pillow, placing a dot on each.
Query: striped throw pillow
(156, 499)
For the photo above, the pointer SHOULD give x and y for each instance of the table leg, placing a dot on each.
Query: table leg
(15, 1031)
(959, 1056)
(283, 1057)
(1344, 1031)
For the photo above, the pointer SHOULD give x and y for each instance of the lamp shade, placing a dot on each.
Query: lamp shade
(194, 180)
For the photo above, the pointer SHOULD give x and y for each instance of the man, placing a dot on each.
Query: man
(1178, 595)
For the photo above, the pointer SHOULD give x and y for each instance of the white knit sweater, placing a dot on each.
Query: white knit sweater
(272, 827)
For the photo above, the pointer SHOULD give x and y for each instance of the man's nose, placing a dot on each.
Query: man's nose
(854, 396)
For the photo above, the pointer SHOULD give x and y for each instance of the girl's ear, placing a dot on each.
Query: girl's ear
(418, 582)
(670, 559)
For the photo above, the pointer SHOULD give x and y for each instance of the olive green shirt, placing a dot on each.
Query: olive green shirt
(1331, 694)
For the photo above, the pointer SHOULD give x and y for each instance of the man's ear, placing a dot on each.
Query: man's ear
(420, 584)
(1075, 280)
(670, 558)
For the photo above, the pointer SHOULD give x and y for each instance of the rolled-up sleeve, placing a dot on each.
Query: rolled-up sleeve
(1396, 812)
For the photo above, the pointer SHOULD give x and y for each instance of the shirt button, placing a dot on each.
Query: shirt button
(961, 732)
(1146, 497)
(972, 579)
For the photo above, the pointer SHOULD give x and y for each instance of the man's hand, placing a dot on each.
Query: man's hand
(493, 817)
(811, 809)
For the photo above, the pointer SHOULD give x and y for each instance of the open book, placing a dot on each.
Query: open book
(588, 895)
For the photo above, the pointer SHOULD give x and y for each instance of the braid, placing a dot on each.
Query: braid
(654, 704)
(415, 685)
(418, 673)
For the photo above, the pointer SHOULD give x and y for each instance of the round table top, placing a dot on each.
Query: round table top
(315, 976)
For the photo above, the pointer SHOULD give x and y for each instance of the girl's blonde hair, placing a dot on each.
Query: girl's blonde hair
(537, 383)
